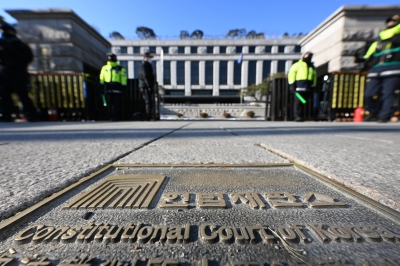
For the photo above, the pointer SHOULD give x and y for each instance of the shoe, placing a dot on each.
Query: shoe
(370, 118)
(383, 120)
(298, 119)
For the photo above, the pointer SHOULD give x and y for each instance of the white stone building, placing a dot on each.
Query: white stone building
(209, 67)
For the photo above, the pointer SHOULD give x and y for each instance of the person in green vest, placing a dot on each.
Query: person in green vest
(113, 79)
(383, 79)
(302, 79)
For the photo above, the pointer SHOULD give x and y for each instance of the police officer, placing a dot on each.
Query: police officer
(15, 57)
(383, 59)
(147, 85)
(302, 79)
(113, 79)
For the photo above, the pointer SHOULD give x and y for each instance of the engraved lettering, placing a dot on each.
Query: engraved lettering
(241, 238)
(212, 237)
(367, 231)
(21, 237)
(340, 232)
(251, 197)
(82, 234)
(290, 200)
(60, 230)
(174, 234)
(99, 236)
(168, 201)
(70, 234)
(41, 234)
(186, 234)
(144, 234)
(317, 200)
(162, 236)
(5, 261)
(323, 234)
(42, 262)
(77, 262)
(298, 229)
(88, 237)
(383, 232)
(287, 233)
(355, 236)
(209, 201)
(113, 236)
(225, 234)
(125, 235)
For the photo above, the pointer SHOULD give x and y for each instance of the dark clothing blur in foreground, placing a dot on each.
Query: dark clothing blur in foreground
(147, 87)
(14, 59)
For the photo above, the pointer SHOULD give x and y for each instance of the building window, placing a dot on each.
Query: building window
(194, 73)
(193, 49)
(136, 49)
(228, 92)
(297, 49)
(123, 50)
(237, 73)
(281, 66)
(165, 49)
(180, 72)
(281, 49)
(209, 72)
(152, 49)
(268, 49)
(252, 49)
(222, 49)
(181, 49)
(175, 92)
(239, 49)
(136, 68)
(251, 77)
(124, 64)
(266, 68)
(201, 92)
(167, 72)
(223, 72)
(210, 49)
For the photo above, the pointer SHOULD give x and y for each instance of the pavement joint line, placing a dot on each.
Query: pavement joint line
(230, 132)
(391, 212)
(97, 170)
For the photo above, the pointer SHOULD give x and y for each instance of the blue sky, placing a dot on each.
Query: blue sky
(214, 17)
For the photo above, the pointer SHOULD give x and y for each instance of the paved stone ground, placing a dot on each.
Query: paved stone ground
(39, 159)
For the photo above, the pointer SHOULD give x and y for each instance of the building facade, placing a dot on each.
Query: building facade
(349, 28)
(209, 67)
(61, 41)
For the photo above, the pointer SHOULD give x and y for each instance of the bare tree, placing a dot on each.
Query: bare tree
(241, 33)
(115, 35)
(145, 33)
(197, 34)
(184, 35)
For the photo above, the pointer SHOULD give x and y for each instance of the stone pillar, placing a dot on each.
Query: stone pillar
(245, 71)
(259, 72)
(188, 91)
(160, 77)
(173, 74)
(274, 66)
(230, 73)
(289, 63)
(216, 79)
(129, 50)
(202, 73)
(274, 49)
(130, 70)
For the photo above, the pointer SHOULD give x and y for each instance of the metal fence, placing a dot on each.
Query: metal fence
(77, 97)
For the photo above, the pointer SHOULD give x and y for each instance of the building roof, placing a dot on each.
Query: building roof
(56, 13)
(359, 11)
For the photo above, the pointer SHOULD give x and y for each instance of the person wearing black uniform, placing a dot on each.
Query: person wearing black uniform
(15, 57)
(146, 84)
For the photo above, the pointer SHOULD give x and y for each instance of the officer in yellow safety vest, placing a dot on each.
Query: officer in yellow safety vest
(302, 79)
(383, 61)
(113, 80)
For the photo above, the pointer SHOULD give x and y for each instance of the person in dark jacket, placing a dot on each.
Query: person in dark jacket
(15, 57)
(383, 79)
(146, 85)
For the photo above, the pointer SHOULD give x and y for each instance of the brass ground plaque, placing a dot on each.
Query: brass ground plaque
(203, 215)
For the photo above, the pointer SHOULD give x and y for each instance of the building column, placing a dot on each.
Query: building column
(202, 74)
(259, 71)
(160, 76)
(188, 91)
(173, 74)
(245, 73)
(274, 66)
(289, 63)
(216, 79)
(130, 70)
(230, 73)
